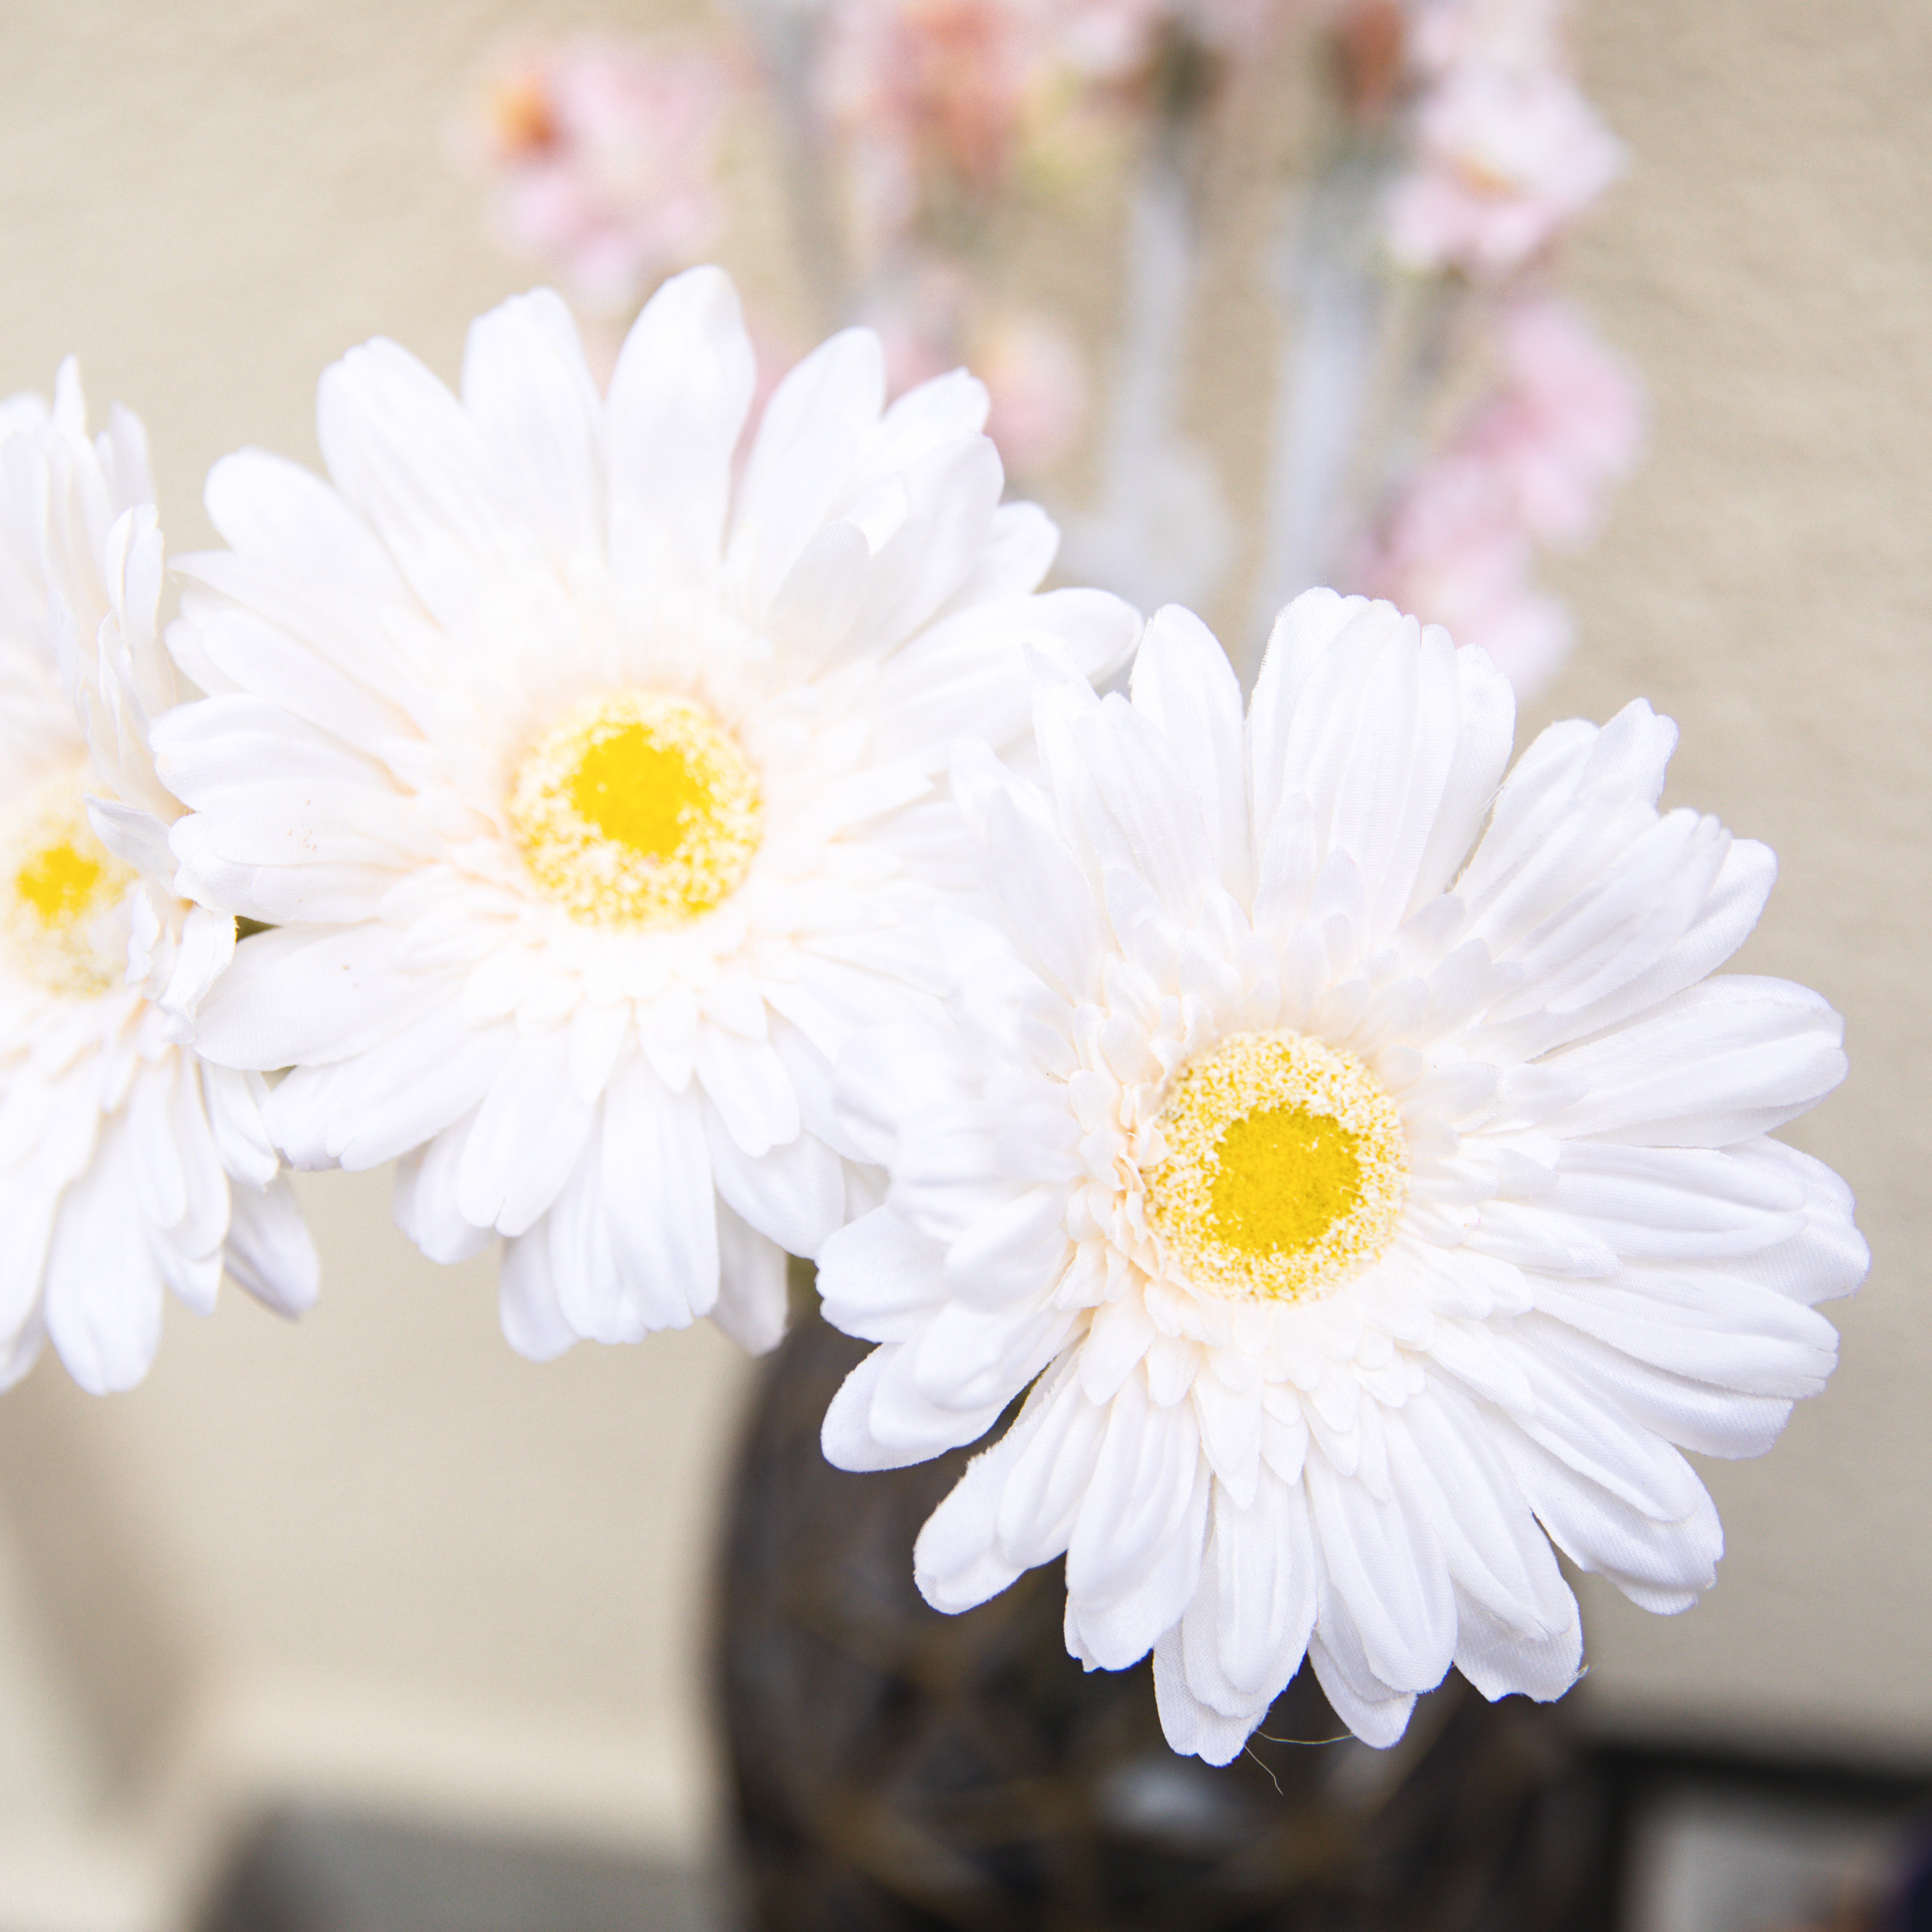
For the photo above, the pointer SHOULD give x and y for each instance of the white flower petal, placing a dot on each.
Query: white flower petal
(425, 1197)
(269, 1249)
(877, 1276)
(103, 1290)
(1138, 1496)
(794, 1194)
(1246, 1631)
(298, 998)
(533, 1320)
(1663, 1565)
(745, 1081)
(808, 442)
(664, 1240)
(406, 456)
(678, 400)
(1720, 1063)
(1184, 684)
(1383, 1566)
(525, 383)
(1192, 1727)
(753, 1301)
(1112, 1634)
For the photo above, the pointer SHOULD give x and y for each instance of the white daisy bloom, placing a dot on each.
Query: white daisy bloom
(1355, 1163)
(593, 787)
(127, 1165)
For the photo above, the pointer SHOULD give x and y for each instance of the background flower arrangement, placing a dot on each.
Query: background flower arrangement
(1440, 414)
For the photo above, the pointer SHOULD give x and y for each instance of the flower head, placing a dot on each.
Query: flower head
(596, 787)
(1343, 1150)
(128, 1166)
(1506, 159)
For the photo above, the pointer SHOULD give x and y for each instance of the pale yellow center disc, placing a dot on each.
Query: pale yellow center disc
(1285, 1167)
(637, 810)
(59, 884)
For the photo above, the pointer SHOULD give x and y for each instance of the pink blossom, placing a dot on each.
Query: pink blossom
(1532, 463)
(1035, 376)
(1519, 36)
(1568, 423)
(1505, 158)
(604, 154)
(926, 88)
(1037, 379)
(1112, 40)
(1454, 552)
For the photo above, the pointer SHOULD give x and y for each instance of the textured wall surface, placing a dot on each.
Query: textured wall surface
(380, 1556)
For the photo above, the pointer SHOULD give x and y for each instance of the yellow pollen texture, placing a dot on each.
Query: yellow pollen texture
(636, 811)
(1285, 1171)
(57, 881)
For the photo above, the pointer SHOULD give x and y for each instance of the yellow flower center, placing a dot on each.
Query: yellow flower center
(1285, 1167)
(58, 882)
(636, 811)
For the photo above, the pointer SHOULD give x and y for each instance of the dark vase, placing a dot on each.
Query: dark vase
(899, 1769)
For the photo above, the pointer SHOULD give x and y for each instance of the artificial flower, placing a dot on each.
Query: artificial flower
(1454, 546)
(1504, 160)
(931, 97)
(1345, 1164)
(1567, 421)
(128, 1166)
(932, 320)
(1534, 460)
(596, 789)
(604, 154)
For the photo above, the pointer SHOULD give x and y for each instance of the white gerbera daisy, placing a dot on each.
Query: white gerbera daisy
(1359, 1166)
(126, 1165)
(590, 786)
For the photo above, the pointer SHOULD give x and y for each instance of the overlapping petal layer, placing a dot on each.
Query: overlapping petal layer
(1599, 1260)
(624, 1104)
(128, 1167)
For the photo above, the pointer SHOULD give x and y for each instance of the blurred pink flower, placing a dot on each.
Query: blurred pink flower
(1035, 376)
(1520, 36)
(922, 88)
(604, 154)
(1454, 552)
(1505, 157)
(1532, 463)
(1568, 423)
(1112, 40)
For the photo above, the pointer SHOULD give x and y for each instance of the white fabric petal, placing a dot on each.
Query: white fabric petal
(677, 402)
(753, 1302)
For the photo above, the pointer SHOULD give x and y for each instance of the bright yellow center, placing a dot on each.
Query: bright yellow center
(1285, 1168)
(58, 885)
(636, 811)
(58, 882)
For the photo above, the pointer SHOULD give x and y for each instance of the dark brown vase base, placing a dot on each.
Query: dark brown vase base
(899, 1769)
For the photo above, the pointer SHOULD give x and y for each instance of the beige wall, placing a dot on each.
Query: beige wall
(380, 1556)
